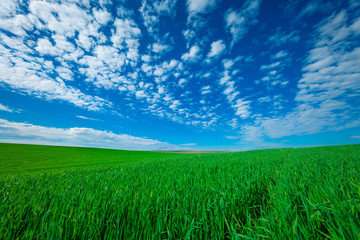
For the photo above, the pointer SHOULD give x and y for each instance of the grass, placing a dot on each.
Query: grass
(20, 158)
(79, 193)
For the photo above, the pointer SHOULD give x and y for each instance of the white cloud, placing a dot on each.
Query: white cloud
(225, 78)
(331, 71)
(99, 52)
(140, 94)
(152, 10)
(31, 78)
(77, 136)
(146, 68)
(182, 82)
(160, 48)
(270, 66)
(232, 137)
(102, 16)
(126, 29)
(303, 120)
(192, 55)
(8, 8)
(281, 37)
(228, 63)
(217, 48)
(165, 6)
(110, 56)
(44, 46)
(242, 108)
(70, 17)
(188, 144)
(146, 58)
(328, 89)
(205, 90)
(200, 6)
(264, 99)
(355, 137)
(280, 54)
(64, 73)
(87, 118)
(239, 22)
(5, 108)
(159, 71)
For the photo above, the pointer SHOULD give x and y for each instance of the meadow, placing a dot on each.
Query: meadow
(84, 193)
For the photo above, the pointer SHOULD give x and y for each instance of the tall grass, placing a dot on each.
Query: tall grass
(309, 193)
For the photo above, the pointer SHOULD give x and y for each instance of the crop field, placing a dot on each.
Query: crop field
(83, 193)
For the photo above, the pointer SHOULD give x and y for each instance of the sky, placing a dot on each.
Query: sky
(180, 74)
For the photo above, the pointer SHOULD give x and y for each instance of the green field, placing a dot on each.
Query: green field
(83, 193)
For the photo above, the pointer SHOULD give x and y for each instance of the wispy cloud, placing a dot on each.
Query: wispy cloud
(5, 108)
(238, 22)
(281, 37)
(87, 118)
(130, 62)
(188, 144)
(27, 133)
(232, 137)
(328, 91)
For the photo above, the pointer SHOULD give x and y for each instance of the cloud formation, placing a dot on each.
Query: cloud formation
(204, 65)
(88, 137)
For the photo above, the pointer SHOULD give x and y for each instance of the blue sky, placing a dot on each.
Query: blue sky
(171, 75)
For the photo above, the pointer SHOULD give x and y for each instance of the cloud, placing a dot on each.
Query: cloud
(8, 8)
(242, 108)
(303, 120)
(200, 6)
(72, 52)
(159, 48)
(228, 63)
(102, 16)
(315, 6)
(217, 48)
(270, 66)
(69, 17)
(328, 91)
(146, 58)
(274, 76)
(140, 94)
(182, 82)
(282, 37)
(355, 137)
(65, 73)
(32, 78)
(45, 47)
(330, 71)
(232, 137)
(238, 23)
(151, 12)
(280, 54)
(5, 108)
(76, 136)
(192, 55)
(188, 144)
(24, 70)
(205, 90)
(87, 118)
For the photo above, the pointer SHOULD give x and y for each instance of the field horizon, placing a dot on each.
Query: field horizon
(10, 152)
